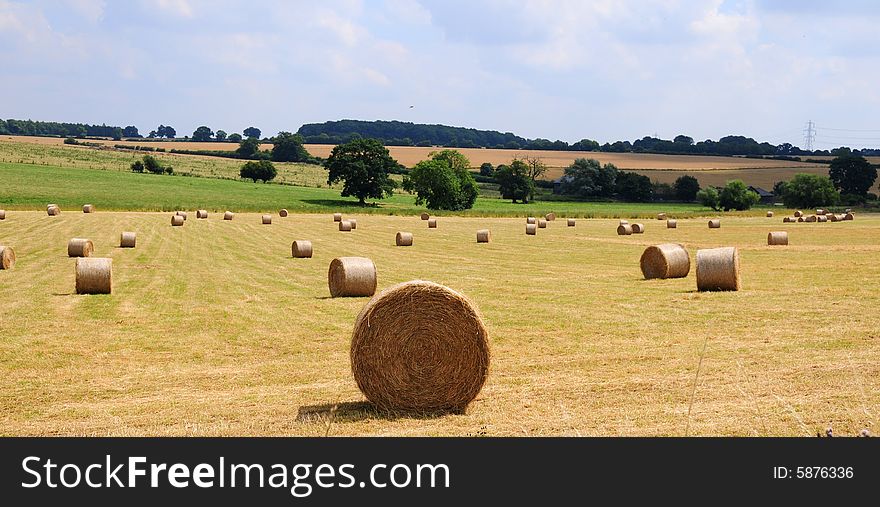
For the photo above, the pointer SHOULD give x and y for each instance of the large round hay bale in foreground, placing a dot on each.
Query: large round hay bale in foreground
(638, 228)
(715, 223)
(127, 240)
(345, 226)
(202, 214)
(403, 239)
(353, 222)
(483, 236)
(301, 249)
(282, 213)
(94, 275)
(531, 220)
(53, 210)
(337, 217)
(571, 222)
(177, 220)
(531, 229)
(420, 347)
(550, 217)
(661, 216)
(2, 214)
(671, 224)
(624, 230)
(7, 257)
(769, 214)
(425, 216)
(669, 260)
(267, 219)
(228, 215)
(542, 224)
(798, 213)
(777, 238)
(352, 277)
(718, 269)
(88, 208)
(432, 223)
(80, 247)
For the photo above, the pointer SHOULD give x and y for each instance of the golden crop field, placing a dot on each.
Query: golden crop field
(213, 329)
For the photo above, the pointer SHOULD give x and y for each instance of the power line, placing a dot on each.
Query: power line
(809, 135)
(850, 130)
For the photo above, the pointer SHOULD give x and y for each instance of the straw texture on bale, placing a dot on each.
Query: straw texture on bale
(88, 208)
(833, 218)
(661, 216)
(425, 216)
(337, 217)
(820, 212)
(715, 223)
(94, 275)
(811, 219)
(798, 213)
(542, 224)
(267, 219)
(669, 260)
(53, 210)
(301, 249)
(283, 213)
(671, 224)
(420, 347)
(404, 239)
(777, 238)
(638, 228)
(787, 219)
(483, 236)
(182, 214)
(345, 226)
(7, 257)
(80, 247)
(550, 217)
(531, 220)
(432, 223)
(128, 240)
(571, 222)
(800, 219)
(177, 220)
(718, 269)
(354, 223)
(352, 277)
(228, 215)
(2, 214)
(769, 214)
(624, 230)
(821, 218)
(849, 216)
(202, 213)
(531, 229)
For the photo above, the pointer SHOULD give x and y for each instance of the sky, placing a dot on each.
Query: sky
(566, 69)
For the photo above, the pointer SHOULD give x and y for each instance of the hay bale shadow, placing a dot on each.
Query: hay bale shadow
(354, 411)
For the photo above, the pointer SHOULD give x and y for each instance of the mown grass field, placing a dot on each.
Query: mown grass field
(212, 329)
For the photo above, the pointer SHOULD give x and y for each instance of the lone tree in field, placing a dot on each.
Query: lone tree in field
(220, 135)
(234, 137)
(686, 188)
(852, 175)
(252, 132)
(586, 177)
(809, 191)
(634, 187)
(514, 182)
(130, 131)
(248, 148)
(262, 170)
(137, 166)
(537, 168)
(164, 131)
(363, 166)
(736, 195)
(202, 134)
(288, 147)
(152, 165)
(443, 182)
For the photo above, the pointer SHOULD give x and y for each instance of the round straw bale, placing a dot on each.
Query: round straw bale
(821, 218)
(267, 219)
(777, 238)
(2, 214)
(228, 215)
(671, 224)
(542, 224)
(282, 213)
(177, 220)
(661, 216)
(769, 214)
(7, 257)
(669, 260)
(531, 229)
(421, 347)
(88, 208)
(715, 223)
(849, 216)
(788, 219)
(800, 219)
(201, 213)
(127, 240)
(354, 223)
(624, 230)
(301, 249)
(811, 219)
(52, 205)
(531, 220)
(182, 214)
(425, 216)
(833, 217)
(571, 222)
(403, 239)
(483, 236)
(718, 269)
(623, 222)
(53, 210)
(550, 217)
(80, 247)
(432, 223)
(848, 210)
(94, 275)
(798, 213)
(337, 217)
(345, 226)
(820, 212)
(352, 277)
(638, 228)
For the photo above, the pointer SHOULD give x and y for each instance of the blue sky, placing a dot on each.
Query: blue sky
(566, 69)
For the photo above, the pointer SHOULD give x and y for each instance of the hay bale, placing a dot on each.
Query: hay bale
(669, 260)
(531, 229)
(2, 214)
(550, 217)
(352, 277)
(432, 223)
(228, 215)
(821, 212)
(811, 219)
(624, 230)
(833, 217)
(531, 220)
(88, 208)
(283, 213)
(715, 223)
(345, 226)
(425, 216)
(127, 240)
(821, 219)
(182, 214)
(542, 224)
(788, 219)
(301, 249)
(671, 224)
(571, 222)
(661, 216)
(337, 217)
(354, 223)
(718, 269)
(202, 213)
(267, 219)
(848, 216)
(638, 228)
(7, 257)
(777, 238)
(769, 214)
(798, 213)
(623, 222)
(53, 210)
(420, 347)
(177, 220)
(80, 247)
(403, 239)
(94, 275)
(483, 236)
(800, 219)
